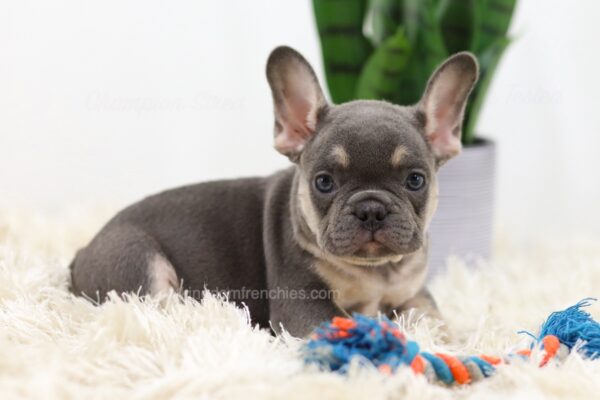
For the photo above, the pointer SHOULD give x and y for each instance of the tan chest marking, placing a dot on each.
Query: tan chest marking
(368, 290)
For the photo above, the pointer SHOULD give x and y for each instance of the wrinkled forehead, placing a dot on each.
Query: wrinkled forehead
(370, 137)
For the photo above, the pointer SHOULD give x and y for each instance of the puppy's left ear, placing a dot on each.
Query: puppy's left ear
(444, 101)
(297, 98)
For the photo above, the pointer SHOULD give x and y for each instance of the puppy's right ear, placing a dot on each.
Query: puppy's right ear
(297, 98)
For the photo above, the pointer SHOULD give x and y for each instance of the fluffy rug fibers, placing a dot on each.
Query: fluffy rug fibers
(54, 345)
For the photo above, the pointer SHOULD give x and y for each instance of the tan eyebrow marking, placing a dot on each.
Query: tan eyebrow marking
(398, 155)
(341, 156)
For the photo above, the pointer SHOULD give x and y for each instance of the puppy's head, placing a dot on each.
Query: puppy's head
(367, 187)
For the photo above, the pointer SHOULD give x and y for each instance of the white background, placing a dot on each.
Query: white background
(107, 101)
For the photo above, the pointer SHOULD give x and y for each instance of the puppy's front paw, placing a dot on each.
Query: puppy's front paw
(422, 309)
(426, 327)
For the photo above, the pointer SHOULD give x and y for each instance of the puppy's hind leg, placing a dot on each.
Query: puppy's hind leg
(123, 258)
(162, 277)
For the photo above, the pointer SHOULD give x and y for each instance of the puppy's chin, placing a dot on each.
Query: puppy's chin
(368, 261)
(374, 250)
(369, 253)
(373, 253)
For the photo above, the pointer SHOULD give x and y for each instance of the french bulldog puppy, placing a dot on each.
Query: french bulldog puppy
(344, 229)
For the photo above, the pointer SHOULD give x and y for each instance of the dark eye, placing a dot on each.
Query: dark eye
(324, 183)
(415, 181)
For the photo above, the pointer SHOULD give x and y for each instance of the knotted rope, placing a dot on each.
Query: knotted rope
(379, 342)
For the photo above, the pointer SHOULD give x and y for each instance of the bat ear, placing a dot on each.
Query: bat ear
(297, 98)
(444, 102)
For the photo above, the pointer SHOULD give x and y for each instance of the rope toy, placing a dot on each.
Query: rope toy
(379, 342)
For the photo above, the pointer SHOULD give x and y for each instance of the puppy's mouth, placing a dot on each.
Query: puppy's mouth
(373, 251)
(373, 247)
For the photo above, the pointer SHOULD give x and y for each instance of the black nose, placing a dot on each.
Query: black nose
(371, 213)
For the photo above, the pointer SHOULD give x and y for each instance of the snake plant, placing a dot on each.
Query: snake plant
(386, 49)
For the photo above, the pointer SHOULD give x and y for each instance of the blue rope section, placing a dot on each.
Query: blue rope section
(378, 342)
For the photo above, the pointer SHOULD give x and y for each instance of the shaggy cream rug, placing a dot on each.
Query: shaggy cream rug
(53, 345)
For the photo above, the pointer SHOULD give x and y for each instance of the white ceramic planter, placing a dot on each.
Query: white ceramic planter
(463, 223)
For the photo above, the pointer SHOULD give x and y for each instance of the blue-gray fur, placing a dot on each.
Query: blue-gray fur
(253, 234)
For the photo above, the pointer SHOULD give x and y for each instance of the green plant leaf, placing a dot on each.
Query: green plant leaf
(383, 74)
(344, 47)
(488, 62)
(457, 22)
(412, 37)
(492, 20)
(426, 40)
(384, 17)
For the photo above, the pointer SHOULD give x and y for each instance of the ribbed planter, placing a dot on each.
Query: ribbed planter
(463, 223)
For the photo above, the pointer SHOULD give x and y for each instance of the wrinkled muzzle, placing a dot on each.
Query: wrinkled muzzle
(372, 224)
